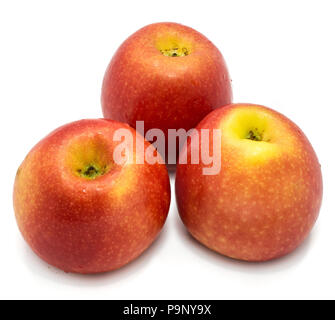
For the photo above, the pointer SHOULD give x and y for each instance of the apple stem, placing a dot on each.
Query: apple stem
(254, 135)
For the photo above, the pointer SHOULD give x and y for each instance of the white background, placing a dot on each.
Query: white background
(53, 55)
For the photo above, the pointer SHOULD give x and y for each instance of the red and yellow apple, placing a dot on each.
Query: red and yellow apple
(167, 75)
(266, 198)
(81, 211)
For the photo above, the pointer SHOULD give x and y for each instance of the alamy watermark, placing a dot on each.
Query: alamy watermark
(204, 145)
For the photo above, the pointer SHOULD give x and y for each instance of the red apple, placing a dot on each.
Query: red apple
(81, 211)
(167, 75)
(265, 199)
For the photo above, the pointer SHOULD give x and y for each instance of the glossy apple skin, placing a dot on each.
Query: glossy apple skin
(141, 84)
(88, 226)
(252, 211)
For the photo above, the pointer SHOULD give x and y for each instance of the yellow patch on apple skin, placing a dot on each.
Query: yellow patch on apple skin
(173, 45)
(88, 157)
(256, 134)
(126, 181)
(25, 182)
